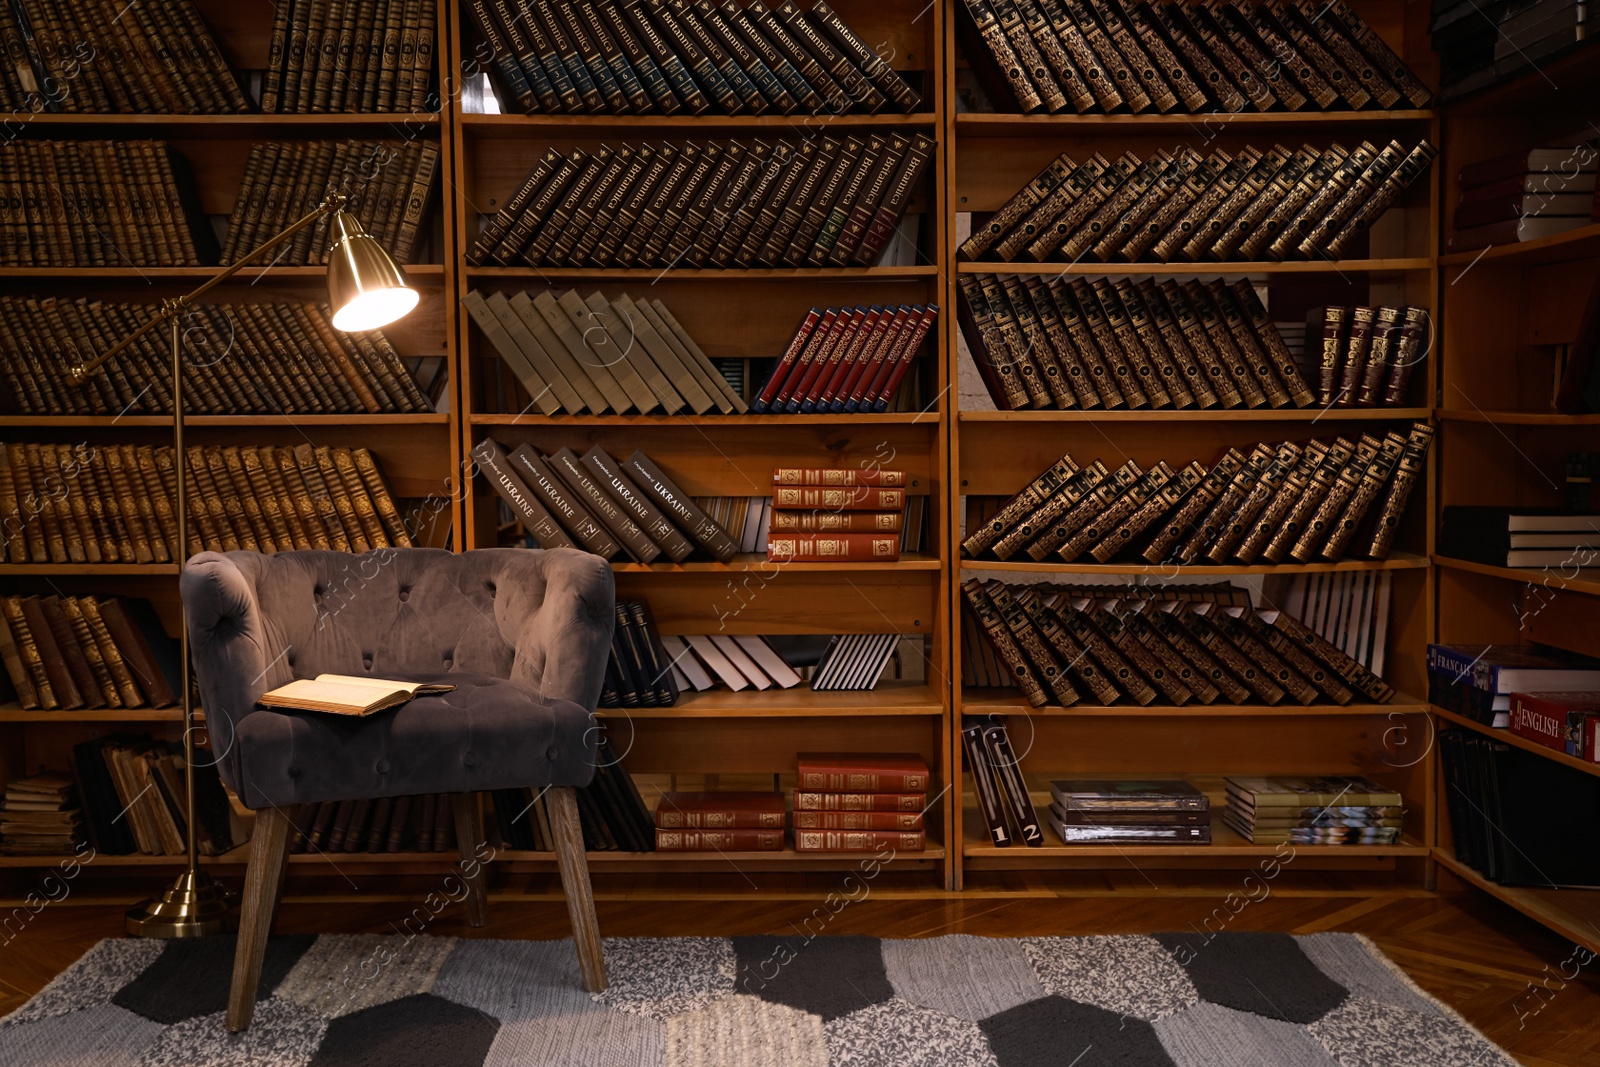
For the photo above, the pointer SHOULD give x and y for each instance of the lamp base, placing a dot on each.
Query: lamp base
(193, 906)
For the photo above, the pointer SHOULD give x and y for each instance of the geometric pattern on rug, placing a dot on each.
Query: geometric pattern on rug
(1240, 999)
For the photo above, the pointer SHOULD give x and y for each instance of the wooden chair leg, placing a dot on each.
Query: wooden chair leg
(269, 851)
(562, 804)
(469, 835)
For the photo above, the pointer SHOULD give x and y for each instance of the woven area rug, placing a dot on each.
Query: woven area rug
(1235, 1000)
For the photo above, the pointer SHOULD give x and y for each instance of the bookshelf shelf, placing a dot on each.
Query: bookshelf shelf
(787, 859)
(1569, 912)
(1516, 418)
(1205, 415)
(987, 124)
(655, 274)
(1396, 561)
(508, 126)
(165, 421)
(889, 698)
(1574, 244)
(13, 713)
(1517, 741)
(1207, 270)
(757, 561)
(422, 273)
(104, 569)
(888, 418)
(1011, 702)
(189, 125)
(1586, 580)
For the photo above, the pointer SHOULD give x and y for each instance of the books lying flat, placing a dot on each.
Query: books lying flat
(342, 694)
(1477, 680)
(1108, 794)
(861, 772)
(1074, 834)
(724, 810)
(1303, 791)
(1564, 721)
(1520, 537)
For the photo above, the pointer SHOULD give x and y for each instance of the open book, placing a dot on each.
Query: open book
(341, 694)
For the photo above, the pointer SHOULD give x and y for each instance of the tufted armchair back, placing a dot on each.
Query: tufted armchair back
(541, 619)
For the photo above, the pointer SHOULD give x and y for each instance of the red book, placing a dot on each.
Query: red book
(837, 476)
(857, 841)
(820, 801)
(721, 811)
(899, 361)
(786, 362)
(879, 522)
(838, 498)
(815, 343)
(845, 326)
(890, 326)
(828, 547)
(903, 821)
(1554, 718)
(862, 772)
(719, 840)
(844, 363)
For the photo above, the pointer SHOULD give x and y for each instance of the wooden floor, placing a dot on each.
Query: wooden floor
(1473, 953)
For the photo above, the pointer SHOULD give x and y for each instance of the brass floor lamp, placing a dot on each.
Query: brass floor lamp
(366, 290)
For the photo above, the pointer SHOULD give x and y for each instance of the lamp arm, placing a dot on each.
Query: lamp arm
(170, 308)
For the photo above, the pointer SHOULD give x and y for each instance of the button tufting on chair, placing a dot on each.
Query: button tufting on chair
(405, 594)
(382, 766)
(469, 759)
(553, 754)
(293, 772)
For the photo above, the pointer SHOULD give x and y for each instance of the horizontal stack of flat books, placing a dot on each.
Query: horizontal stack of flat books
(386, 824)
(1285, 502)
(107, 503)
(66, 653)
(1063, 649)
(133, 794)
(832, 785)
(1365, 357)
(1521, 537)
(726, 58)
(846, 359)
(351, 55)
(93, 56)
(298, 363)
(789, 202)
(640, 671)
(725, 821)
(102, 204)
(1561, 720)
(1516, 817)
(390, 185)
(1111, 55)
(580, 355)
(40, 816)
(1482, 42)
(1350, 609)
(611, 812)
(822, 514)
(1534, 193)
(1330, 810)
(1478, 680)
(997, 781)
(1122, 811)
(597, 504)
(1279, 204)
(1072, 343)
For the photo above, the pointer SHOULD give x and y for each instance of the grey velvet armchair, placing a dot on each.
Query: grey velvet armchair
(523, 635)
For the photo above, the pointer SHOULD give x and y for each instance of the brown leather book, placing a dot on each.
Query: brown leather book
(1079, 665)
(1168, 245)
(1055, 55)
(1041, 519)
(1189, 675)
(988, 345)
(1134, 49)
(22, 679)
(316, 462)
(1081, 203)
(1296, 238)
(1048, 669)
(1169, 683)
(1034, 494)
(1121, 372)
(1410, 169)
(1393, 67)
(1085, 344)
(43, 639)
(1258, 652)
(1102, 86)
(84, 638)
(1323, 522)
(1102, 528)
(1005, 644)
(29, 655)
(1095, 494)
(1408, 471)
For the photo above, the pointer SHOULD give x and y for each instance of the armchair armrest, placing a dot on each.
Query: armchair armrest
(564, 643)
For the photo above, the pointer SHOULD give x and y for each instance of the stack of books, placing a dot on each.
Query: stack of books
(737, 661)
(300, 364)
(1283, 502)
(1366, 357)
(1481, 42)
(837, 792)
(641, 670)
(1521, 537)
(389, 184)
(719, 58)
(720, 822)
(790, 202)
(40, 816)
(1333, 810)
(117, 507)
(67, 653)
(1565, 721)
(577, 355)
(388, 824)
(1059, 648)
(1119, 811)
(1110, 55)
(350, 55)
(1477, 680)
(133, 795)
(1280, 204)
(611, 812)
(1064, 344)
(846, 359)
(1524, 195)
(822, 514)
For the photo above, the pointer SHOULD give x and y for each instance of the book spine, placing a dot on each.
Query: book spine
(491, 461)
(821, 548)
(1408, 471)
(719, 840)
(1005, 645)
(1033, 645)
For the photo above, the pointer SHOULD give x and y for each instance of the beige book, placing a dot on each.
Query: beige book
(657, 338)
(683, 391)
(676, 331)
(565, 364)
(639, 378)
(342, 694)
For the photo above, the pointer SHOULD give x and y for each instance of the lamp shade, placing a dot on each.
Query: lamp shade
(366, 288)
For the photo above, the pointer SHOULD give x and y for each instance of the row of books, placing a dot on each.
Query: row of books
(1349, 608)
(98, 56)
(577, 355)
(1105, 55)
(66, 653)
(1516, 817)
(751, 661)
(1367, 356)
(1521, 537)
(389, 184)
(1564, 720)
(1478, 681)
(387, 824)
(298, 363)
(1527, 194)
(40, 816)
(100, 204)
(1061, 649)
(612, 814)
(808, 524)
(1280, 203)
(894, 783)
(111, 503)
(350, 55)
(1064, 344)
(1483, 42)
(846, 359)
(670, 56)
(1285, 501)
(640, 671)
(789, 202)
(133, 795)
